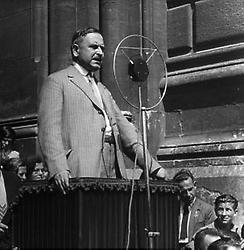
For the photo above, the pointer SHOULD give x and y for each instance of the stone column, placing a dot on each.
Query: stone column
(155, 28)
(118, 20)
(64, 18)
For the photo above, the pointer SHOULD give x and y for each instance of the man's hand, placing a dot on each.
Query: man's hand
(3, 227)
(162, 174)
(62, 180)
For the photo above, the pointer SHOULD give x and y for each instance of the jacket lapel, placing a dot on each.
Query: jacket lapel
(193, 218)
(106, 102)
(76, 78)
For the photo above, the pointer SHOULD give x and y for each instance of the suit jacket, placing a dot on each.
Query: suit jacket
(71, 126)
(201, 215)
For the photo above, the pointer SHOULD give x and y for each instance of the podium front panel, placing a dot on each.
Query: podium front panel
(95, 214)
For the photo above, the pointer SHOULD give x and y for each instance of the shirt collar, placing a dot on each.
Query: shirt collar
(192, 202)
(81, 69)
(190, 205)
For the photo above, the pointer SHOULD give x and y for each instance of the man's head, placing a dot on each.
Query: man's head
(205, 237)
(225, 209)
(187, 185)
(87, 48)
(21, 172)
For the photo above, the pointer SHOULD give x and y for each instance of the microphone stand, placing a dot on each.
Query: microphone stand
(150, 234)
(138, 72)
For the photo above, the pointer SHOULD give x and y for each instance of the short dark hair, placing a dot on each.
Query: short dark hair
(226, 198)
(231, 235)
(183, 175)
(200, 235)
(31, 163)
(81, 33)
(223, 243)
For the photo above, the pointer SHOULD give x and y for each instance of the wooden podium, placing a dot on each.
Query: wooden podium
(94, 214)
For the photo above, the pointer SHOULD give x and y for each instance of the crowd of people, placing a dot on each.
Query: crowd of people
(203, 226)
(27, 169)
(14, 172)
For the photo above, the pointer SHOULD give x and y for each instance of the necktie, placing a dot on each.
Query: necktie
(183, 233)
(95, 89)
(3, 197)
(99, 99)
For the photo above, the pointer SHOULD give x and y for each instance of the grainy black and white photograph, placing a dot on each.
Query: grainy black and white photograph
(122, 124)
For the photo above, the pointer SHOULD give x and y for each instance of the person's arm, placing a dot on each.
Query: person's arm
(132, 142)
(155, 169)
(50, 131)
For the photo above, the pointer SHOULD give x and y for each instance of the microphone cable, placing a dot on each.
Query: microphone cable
(133, 178)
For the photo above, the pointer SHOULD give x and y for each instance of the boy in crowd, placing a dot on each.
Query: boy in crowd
(225, 210)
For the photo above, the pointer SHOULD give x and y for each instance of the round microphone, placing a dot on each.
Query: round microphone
(138, 69)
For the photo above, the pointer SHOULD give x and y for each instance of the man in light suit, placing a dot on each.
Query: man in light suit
(194, 213)
(81, 130)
